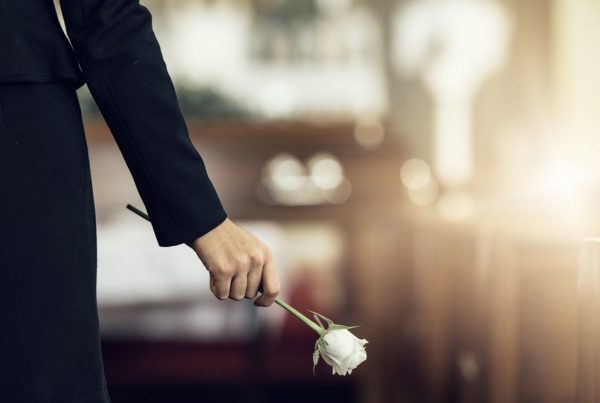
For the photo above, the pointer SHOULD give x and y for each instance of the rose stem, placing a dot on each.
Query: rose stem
(278, 301)
(300, 316)
(138, 212)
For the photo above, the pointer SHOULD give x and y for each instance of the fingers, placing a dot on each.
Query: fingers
(253, 283)
(255, 273)
(238, 287)
(247, 281)
(220, 286)
(240, 275)
(270, 283)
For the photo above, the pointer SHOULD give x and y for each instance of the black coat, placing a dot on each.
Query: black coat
(114, 50)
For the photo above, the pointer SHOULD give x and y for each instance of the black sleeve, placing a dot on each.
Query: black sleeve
(124, 68)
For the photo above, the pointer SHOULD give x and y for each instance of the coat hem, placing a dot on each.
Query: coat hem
(100, 396)
(78, 81)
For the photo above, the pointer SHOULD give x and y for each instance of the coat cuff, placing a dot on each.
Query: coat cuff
(195, 217)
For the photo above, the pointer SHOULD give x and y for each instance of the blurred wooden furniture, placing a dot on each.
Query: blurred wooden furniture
(588, 368)
(469, 312)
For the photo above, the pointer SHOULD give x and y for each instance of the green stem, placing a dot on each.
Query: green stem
(138, 212)
(300, 316)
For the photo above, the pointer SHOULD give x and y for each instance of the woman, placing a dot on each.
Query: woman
(50, 342)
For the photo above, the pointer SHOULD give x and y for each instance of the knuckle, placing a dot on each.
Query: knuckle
(271, 293)
(241, 263)
(256, 256)
(268, 253)
(221, 271)
(273, 290)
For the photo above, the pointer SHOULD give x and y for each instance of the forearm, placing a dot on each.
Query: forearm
(127, 76)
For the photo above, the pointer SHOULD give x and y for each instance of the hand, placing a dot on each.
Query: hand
(237, 262)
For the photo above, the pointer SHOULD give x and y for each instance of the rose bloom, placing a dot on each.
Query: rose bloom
(340, 349)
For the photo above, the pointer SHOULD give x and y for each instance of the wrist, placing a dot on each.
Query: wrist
(195, 243)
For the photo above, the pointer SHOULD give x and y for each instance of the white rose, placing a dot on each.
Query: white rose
(340, 349)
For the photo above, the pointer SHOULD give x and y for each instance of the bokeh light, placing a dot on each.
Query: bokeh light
(285, 172)
(415, 173)
(326, 171)
(369, 132)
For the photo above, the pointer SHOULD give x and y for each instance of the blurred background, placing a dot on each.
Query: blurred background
(426, 169)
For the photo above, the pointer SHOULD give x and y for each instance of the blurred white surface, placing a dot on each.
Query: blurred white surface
(148, 291)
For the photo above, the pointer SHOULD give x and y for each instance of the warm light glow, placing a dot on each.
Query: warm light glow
(562, 178)
(455, 206)
(285, 172)
(415, 174)
(369, 133)
(326, 171)
(426, 195)
(288, 181)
